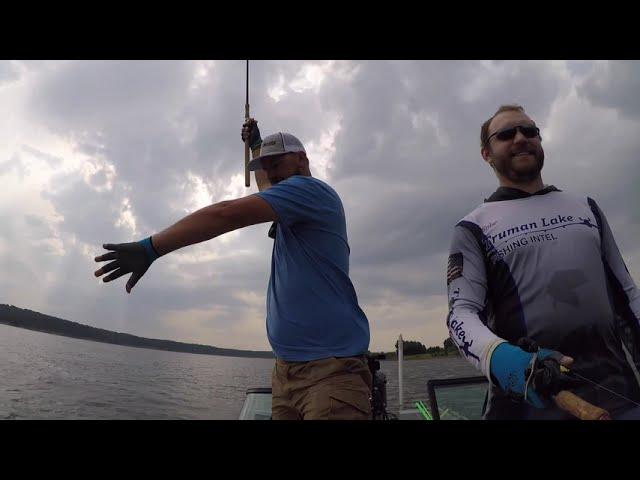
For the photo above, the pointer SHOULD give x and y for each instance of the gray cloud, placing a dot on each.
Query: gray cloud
(614, 85)
(51, 160)
(411, 184)
(8, 71)
(38, 226)
(406, 165)
(14, 164)
(89, 215)
(95, 95)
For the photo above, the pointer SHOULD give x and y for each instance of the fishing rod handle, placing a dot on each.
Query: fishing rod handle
(578, 407)
(247, 177)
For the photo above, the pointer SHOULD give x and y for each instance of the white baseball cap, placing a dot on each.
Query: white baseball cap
(276, 144)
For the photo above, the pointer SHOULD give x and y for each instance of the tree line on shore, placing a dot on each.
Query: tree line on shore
(23, 318)
(413, 347)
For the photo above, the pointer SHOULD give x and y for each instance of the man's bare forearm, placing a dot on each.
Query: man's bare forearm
(215, 220)
(212, 221)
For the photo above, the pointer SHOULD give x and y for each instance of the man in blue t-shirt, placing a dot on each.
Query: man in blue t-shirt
(315, 327)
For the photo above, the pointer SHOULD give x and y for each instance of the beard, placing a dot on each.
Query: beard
(507, 167)
(278, 178)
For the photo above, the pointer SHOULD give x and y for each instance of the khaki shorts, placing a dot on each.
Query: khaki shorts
(327, 389)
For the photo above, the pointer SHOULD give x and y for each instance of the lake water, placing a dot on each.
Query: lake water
(47, 376)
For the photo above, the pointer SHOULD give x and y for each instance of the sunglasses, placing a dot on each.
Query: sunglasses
(529, 131)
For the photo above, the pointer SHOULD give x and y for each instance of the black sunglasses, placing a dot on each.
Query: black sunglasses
(529, 131)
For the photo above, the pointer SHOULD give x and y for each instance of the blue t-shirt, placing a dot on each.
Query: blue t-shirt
(312, 307)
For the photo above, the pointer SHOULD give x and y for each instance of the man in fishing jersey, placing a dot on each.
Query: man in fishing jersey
(315, 327)
(535, 272)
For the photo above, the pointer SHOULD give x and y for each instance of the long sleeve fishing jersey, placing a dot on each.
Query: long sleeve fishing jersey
(544, 266)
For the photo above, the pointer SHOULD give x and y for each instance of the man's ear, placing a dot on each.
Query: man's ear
(486, 155)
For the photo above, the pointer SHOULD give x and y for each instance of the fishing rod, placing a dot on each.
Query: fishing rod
(580, 408)
(565, 370)
(247, 178)
(545, 373)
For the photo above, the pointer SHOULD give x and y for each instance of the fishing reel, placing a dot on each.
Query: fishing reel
(548, 376)
(378, 388)
(272, 230)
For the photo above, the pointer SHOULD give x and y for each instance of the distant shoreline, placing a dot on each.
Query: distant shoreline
(422, 356)
(39, 322)
(35, 321)
(130, 346)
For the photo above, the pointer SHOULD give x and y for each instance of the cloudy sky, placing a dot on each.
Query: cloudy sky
(112, 151)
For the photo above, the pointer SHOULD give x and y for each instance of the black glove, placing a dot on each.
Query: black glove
(251, 131)
(134, 257)
(548, 377)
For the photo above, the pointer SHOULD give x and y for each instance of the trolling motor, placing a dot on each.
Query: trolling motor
(378, 388)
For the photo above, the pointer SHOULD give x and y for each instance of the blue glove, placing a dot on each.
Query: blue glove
(511, 366)
(133, 257)
(152, 255)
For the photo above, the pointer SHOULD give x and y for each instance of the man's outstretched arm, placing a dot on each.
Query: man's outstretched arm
(212, 221)
(204, 224)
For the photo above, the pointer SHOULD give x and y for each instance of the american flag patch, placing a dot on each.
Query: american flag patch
(454, 267)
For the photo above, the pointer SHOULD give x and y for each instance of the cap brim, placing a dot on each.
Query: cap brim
(256, 163)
